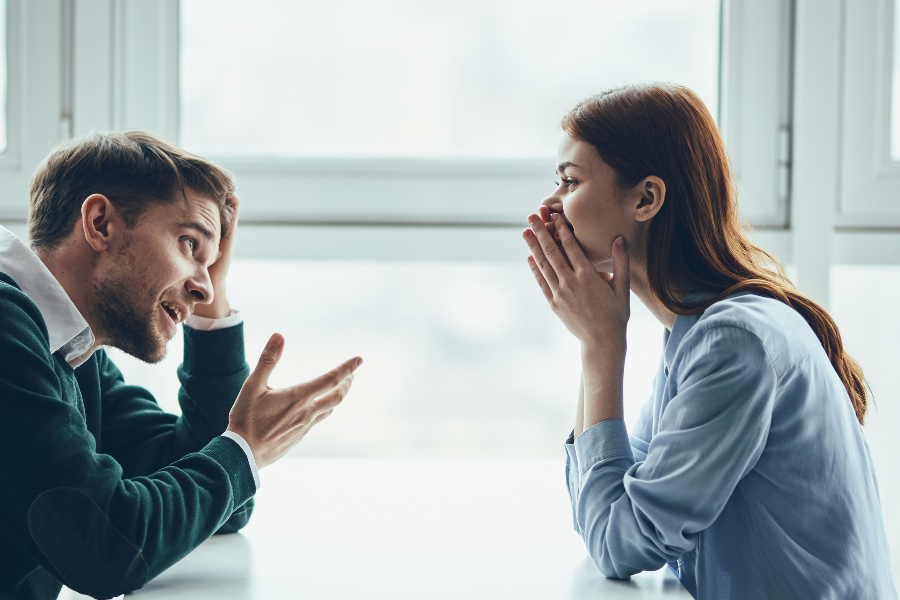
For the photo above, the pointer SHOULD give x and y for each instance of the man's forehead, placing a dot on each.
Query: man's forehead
(203, 212)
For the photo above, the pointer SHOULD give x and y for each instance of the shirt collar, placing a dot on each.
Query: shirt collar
(69, 332)
(683, 324)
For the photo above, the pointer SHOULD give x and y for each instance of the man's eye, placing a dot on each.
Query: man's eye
(191, 243)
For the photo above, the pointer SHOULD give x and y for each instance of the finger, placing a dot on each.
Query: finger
(570, 245)
(270, 356)
(322, 416)
(332, 398)
(329, 380)
(548, 293)
(544, 212)
(552, 251)
(621, 280)
(547, 218)
(537, 253)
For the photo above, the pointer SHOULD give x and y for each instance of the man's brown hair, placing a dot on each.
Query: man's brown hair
(135, 170)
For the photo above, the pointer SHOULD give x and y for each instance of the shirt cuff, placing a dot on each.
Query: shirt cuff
(570, 451)
(206, 324)
(601, 442)
(246, 448)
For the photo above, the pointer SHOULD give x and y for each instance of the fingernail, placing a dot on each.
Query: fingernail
(620, 243)
(359, 361)
(555, 216)
(274, 343)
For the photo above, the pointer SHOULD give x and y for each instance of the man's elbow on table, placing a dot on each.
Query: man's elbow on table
(89, 555)
(238, 519)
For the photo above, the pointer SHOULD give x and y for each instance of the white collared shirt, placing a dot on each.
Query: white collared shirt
(68, 331)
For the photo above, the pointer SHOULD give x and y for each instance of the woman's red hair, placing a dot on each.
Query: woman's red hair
(698, 235)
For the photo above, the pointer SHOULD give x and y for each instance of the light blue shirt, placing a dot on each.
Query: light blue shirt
(747, 472)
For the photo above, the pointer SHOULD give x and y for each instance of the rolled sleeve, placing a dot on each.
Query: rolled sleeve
(601, 442)
(635, 516)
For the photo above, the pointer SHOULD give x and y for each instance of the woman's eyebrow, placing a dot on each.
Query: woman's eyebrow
(563, 166)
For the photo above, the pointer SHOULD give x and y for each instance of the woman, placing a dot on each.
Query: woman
(748, 471)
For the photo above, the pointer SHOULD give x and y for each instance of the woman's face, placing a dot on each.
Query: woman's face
(589, 200)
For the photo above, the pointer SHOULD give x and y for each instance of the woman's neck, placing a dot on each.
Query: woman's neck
(640, 285)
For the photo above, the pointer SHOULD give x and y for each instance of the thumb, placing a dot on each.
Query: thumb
(621, 281)
(270, 356)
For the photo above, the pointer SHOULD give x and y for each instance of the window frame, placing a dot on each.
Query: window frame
(136, 86)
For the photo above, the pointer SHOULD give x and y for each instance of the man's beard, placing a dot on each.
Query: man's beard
(119, 320)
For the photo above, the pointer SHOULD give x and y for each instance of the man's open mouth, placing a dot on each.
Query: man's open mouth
(173, 311)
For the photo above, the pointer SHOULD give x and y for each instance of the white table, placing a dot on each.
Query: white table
(404, 528)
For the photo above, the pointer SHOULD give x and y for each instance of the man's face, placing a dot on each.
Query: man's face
(156, 276)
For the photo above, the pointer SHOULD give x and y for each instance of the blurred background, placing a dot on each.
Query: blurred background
(387, 154)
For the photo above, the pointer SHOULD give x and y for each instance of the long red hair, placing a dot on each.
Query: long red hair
(698, 235)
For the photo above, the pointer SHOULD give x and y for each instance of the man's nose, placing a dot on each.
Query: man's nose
(200, 287)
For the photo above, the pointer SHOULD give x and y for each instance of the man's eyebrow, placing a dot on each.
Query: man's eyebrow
(564, 165)
(205, 231)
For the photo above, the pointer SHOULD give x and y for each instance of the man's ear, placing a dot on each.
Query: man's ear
(651, 194)
(100, 222)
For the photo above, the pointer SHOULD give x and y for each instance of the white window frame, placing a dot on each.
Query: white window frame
(756, 61)
(870, 178)
(116, 66)
(34, 97)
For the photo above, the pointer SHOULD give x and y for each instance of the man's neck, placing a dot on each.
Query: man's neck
(75, 274)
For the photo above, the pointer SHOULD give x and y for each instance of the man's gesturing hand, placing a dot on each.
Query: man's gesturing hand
(273, 421)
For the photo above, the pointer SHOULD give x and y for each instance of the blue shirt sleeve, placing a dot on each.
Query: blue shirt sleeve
(635, 516)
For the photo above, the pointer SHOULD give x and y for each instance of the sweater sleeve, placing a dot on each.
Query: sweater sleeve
(142, 437)
(635, 516)
(70, 509)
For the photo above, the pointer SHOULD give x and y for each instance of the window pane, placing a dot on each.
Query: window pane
(895, 87)
(3, 79)
(485, 78)
(461, 359)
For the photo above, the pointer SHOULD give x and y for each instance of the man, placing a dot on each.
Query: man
(102, 490)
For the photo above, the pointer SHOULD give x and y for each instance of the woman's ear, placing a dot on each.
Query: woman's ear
(98, 222)
(651, 193)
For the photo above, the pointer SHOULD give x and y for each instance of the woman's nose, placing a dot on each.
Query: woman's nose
(553, 203)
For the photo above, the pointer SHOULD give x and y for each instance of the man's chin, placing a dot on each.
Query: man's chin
(150, 351)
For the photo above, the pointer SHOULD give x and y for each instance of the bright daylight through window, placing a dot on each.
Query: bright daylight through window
(895, 87)
(462, 359)
(4, 90)
(470, 78)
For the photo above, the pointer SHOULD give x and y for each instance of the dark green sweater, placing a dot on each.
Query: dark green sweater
(101, 489)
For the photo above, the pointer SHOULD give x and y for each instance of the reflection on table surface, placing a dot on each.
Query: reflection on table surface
(404, 528)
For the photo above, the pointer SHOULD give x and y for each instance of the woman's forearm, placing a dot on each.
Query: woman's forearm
(602, 380)
(579, 413)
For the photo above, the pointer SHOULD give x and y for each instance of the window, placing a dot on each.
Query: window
(3, 79)
(461, 358)
(400, 78)
(870, 172)
(386, 158)
(895, 87)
